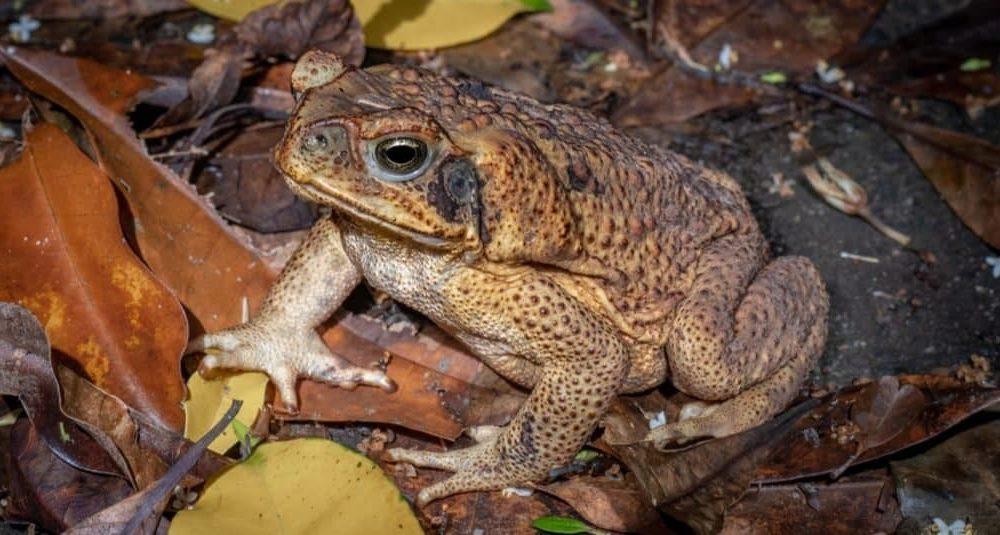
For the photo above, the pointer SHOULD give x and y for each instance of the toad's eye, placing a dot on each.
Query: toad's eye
(398, 159)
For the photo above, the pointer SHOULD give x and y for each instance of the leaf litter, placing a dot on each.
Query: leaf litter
(165, 225)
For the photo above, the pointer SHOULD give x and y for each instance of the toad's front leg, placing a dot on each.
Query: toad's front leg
(581, 368)
(282, 340)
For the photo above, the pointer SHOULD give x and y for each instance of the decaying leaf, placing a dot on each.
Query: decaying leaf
(955, 479)
(611, 504)
(768, 35)
(696, 484)
(585, 23)
(862, 504)
(966, 172)
(136, 513)
(69, 264)
(973, 91)
(248, 190)
(46, 490)
(27, 374)
(300, 486)
(181, 238)
(289, 29)
(882, 414)
(813, 449)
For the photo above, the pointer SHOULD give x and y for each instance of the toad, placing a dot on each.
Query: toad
(574, 260)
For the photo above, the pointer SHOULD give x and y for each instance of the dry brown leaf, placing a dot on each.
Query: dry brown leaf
(69, 264)
(289, 29)
(696, 484)
(247, 189)
(585, 23)
(812, 449)
(882, 414)
(47, 491)
(766, 35)
(966, 172)
(27, 374)
(611, 504)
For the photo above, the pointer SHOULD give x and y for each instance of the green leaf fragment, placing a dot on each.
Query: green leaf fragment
(560, 524)
(64, 434)
(586, 456)
(537, 5)
(774, 77)
(975, 64)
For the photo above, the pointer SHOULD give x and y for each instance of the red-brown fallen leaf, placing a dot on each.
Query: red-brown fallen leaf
(183, 241)
(210, 268)
(50, 492)
(766, 35)
(69, 264)
(862, 505)
(966, 172)
(813, 448)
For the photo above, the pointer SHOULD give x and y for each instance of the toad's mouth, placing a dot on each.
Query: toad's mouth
(352, 208)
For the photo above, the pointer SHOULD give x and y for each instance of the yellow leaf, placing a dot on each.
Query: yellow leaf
(421, 24)
(233, 10)
(209, 400)
(300, 486)
(406, 24)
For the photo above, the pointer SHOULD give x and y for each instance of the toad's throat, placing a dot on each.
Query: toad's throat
(357, 210)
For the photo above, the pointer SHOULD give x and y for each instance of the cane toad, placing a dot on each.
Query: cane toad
(572, 259)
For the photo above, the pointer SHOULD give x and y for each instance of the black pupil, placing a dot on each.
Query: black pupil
(401, 154)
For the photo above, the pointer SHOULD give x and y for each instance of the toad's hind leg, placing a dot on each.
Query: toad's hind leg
(578, 365)
(751, 348)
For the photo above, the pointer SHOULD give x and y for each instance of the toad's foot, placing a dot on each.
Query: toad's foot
(479, 467)
(748, 409)
(284, 355)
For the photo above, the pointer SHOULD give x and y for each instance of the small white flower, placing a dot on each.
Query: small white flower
(20, 31)
(658, 420)
(727, 57)
(955, 528)
(994, 262)
(202, 34)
